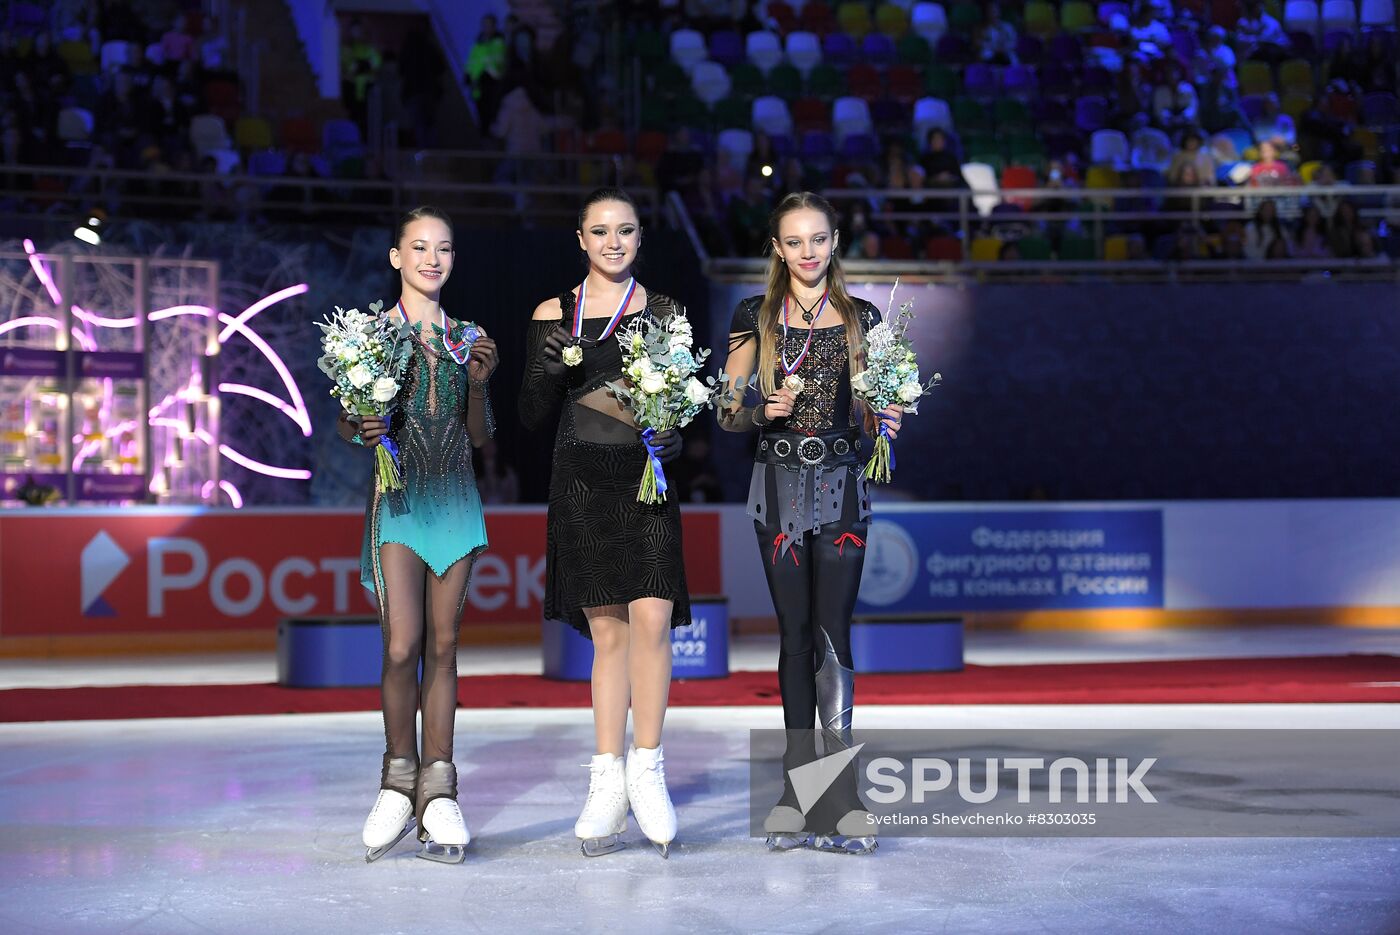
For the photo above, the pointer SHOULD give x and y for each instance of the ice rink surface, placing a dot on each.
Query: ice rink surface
(251, 825)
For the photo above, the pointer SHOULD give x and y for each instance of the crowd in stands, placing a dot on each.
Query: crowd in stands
(744, 102)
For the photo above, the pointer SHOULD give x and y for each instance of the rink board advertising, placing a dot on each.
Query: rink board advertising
(936, 560)
(111, 571)
(1090, 783)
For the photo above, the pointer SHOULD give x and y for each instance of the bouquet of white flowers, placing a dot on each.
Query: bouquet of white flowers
(891, 375)
(365, 356)
(659, 365)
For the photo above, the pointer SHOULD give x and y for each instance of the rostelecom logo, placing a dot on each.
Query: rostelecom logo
(103, 561)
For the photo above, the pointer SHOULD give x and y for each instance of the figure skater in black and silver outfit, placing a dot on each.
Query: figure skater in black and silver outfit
(797, 346)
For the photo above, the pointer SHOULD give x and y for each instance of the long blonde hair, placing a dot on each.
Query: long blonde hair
(770, 312)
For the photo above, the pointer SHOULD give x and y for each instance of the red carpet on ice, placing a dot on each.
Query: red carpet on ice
(1298, 679)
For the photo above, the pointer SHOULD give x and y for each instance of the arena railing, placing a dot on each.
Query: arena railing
(1092, 214)
(26, 190)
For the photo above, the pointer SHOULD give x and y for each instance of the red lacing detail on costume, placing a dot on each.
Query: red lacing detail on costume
(778, 544)
(841, 541)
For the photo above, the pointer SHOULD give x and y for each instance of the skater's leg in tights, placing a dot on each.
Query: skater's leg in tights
(446, 595)
(608, 627)
(401, 602)
(789, 582)
(649, 667)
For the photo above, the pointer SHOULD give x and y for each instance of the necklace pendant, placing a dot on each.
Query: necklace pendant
(807, 316)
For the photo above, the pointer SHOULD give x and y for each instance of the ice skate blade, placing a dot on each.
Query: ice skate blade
(663, 849)
(374, 853)
(838, 844)
(443, 853)
(788, 842)
(597, 847)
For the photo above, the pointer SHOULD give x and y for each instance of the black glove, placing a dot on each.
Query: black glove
(551, 353)
(668, 445)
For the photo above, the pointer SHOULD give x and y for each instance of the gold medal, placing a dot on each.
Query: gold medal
(794, 383)
(572, 355)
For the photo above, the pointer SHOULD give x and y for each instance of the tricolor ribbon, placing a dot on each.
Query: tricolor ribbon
(807, 345)
(649, 439)
(616, 316)
(458, 352)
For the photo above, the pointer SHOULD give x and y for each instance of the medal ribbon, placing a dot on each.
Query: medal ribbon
(789, 369)
(616, 316)
(458, 352)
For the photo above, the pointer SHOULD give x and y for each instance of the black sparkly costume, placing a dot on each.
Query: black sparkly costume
(811, 512)
(603, 547)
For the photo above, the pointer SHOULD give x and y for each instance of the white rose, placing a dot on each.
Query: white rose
(908, 392)
(696, 392)
(359, 376)
(653, 383)
(861, 381)
(385, 389)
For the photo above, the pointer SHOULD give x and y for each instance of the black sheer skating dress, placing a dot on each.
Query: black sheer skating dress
(603, 547)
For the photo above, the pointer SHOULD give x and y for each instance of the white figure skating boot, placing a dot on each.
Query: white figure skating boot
(443, 833)
(392, 815)
(651, 802)
(604, 815)
(388, 822)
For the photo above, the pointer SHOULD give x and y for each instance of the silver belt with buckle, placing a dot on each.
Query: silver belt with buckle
(794, 449)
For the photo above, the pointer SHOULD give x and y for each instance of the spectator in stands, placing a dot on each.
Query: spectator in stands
(1274, 125)
(1326, 177)
(1261, 233)
(359, 62)
(1310, 238)
(1259, 35)
(940, 163)
(1132, 99)
(1341, 232)
(1232, 241)
(521, 53)
(1380, 72)
(167, 116)
(1194, 153)
(496, 480)
(1345, 65)
(486, 64)
(523, 128)
(1270, 170)
(748, 217)
(996, 40)
(795, 178)
(1174, 102)
(1213, 51)
(1185, 177)
(177, 45)
(1149, 35)
(1365, 248)
(1220, 102)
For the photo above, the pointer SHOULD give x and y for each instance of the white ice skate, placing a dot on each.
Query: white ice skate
(388, 822)
(604, 815)
(444, 835)
(651, 802)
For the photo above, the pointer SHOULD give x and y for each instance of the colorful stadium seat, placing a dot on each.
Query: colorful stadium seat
(763, 49)
(929, 20)
(804, 50)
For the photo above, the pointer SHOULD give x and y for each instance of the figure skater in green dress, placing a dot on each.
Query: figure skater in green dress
(421, 541)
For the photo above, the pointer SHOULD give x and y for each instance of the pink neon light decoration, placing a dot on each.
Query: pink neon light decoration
(296, 410)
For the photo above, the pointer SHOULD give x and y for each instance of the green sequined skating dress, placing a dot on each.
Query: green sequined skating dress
(437, 514)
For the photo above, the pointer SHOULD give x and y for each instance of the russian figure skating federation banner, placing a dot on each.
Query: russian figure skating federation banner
(927, 560)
